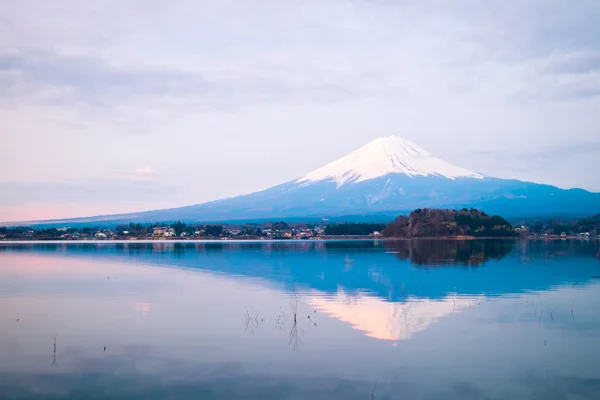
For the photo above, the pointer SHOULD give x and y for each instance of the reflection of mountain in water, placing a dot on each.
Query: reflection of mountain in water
(385, 320)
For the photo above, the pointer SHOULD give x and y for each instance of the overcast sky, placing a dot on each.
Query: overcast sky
(115, 106)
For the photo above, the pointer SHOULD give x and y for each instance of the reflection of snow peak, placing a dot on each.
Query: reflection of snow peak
(384, 156)
(388, 321)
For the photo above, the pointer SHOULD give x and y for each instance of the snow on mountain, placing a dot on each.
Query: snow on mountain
(384, 156)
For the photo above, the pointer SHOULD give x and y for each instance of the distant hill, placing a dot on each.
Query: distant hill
(442, 223)
(560, 225)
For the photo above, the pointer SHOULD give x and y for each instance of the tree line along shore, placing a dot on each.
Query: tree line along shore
(421, 223)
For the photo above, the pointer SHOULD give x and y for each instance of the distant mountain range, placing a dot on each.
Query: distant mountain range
(382, 179)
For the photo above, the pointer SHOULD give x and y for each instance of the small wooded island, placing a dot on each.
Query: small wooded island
(428, 222)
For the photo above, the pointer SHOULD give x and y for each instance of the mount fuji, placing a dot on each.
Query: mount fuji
(380, 180)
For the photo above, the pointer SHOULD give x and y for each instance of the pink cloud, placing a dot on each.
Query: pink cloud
(145, 170)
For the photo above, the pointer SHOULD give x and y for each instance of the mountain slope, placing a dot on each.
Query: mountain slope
(387, 176)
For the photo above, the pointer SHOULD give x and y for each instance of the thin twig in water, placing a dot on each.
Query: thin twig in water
(294, 336)
(373, 392)
(295, 331)
(249, 325)
(280, 323)
(54, 351)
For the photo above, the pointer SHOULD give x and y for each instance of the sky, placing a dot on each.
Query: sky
(122, 106)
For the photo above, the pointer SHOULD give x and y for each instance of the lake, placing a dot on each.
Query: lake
(421, 319)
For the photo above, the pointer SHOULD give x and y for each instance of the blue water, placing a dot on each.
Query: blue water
(366, 320)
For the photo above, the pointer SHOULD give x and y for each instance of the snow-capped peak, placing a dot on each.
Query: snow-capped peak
(384, 156)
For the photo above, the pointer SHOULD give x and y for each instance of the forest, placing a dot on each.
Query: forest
(353, 229)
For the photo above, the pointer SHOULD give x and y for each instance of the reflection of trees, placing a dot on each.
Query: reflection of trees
(553, 249)
(449, 252)
(178, 249)
(419, 251)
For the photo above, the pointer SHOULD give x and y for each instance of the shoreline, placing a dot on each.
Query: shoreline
(320, 239)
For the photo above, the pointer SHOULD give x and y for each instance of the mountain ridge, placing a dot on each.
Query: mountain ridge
(388, 176)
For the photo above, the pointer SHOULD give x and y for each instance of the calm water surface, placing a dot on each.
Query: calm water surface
(300, 320)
